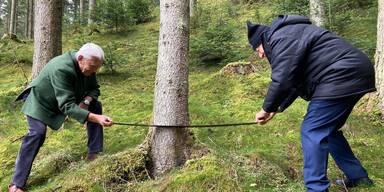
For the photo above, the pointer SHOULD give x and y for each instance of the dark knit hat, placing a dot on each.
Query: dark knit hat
(254, 34)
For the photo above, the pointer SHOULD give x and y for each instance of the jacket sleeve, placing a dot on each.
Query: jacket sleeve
(94, 88)
(62, 83)
(288, 100)
(286, 57)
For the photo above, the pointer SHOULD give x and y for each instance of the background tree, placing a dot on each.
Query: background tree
(75, 10)
(91, 11)
(8, 16)
(120, 14)
(379, 56)
(47, 34)
(192, 4)
(1, 6)
(29, 22)
(317, 14)
(81, 10)
(13, 17)
(168, 145)
(1, 15)
(114, 14)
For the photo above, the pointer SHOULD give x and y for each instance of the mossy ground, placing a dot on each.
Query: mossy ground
(245, 158)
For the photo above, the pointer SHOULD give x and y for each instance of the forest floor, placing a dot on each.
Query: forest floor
(244, 158)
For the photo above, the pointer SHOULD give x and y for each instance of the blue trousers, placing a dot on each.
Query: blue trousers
(320, 135)
(36, 136)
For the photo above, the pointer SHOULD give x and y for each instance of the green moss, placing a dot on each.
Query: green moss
(244, 158)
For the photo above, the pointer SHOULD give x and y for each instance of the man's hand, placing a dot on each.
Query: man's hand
(263, 117)
(84, 105)
(100, 119)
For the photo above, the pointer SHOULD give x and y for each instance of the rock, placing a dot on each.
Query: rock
(240, 67)
(11, 36)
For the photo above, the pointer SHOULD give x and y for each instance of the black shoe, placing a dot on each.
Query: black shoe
(92, 156)
(349, 183)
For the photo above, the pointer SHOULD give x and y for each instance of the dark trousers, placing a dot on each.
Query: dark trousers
(35, 138)
(320, 136)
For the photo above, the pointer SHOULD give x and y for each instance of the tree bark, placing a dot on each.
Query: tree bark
(47, 34)
(168, 145)
(75, 10)
(1, 5)
(192, 4)
(379, 56)
(317, 13)
(29, 23)
(8, 19)
(81, 7)
(12, 22)
(91, 12)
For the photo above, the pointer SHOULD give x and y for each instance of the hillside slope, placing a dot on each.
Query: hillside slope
(245, 158)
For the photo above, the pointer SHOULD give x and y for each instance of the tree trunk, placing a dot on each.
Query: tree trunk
(29, 23)
(1, 5)
(317, 14)
(8, 20)
(12, 22)
(192, 4)
(379, 56)
(47, 34)
(91, 12)
(168, 145)
(81, 7)
(75, 10)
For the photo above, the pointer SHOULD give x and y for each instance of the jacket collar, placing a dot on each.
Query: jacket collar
(75, 63)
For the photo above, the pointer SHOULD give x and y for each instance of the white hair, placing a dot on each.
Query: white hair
(90, 50)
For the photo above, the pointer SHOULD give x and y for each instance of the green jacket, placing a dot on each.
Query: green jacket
(56, 92)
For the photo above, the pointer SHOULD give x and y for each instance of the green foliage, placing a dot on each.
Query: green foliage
(214, 39)
(289, 7)
(355, 21)
(120, 14)
(15, 52)
(245, 158)
(114, 14)
(141, 10)
(113, 57)
(214, 44)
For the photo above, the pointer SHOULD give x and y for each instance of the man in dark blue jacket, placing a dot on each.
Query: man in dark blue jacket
(322, 68)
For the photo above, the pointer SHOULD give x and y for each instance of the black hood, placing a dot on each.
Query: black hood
(283, 20)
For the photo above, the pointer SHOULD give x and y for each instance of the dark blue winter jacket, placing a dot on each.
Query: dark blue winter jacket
(313, 63)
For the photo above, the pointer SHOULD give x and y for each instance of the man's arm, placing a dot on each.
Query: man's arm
(287, 55)
(288, 100)
(62, 83)
(93, 89)
(100, 119)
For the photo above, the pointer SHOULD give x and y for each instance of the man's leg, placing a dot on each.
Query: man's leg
(29, 148)
(342, 153)
(323, 119)
(344, 157)
(95, 130)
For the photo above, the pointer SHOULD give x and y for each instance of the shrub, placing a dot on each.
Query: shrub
(215, 43)
(213, 35)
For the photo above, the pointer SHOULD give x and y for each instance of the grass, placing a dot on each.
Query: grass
(245, 158)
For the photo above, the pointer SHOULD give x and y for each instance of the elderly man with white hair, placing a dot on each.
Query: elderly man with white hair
(66, 86)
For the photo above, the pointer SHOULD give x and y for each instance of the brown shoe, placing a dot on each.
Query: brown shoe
(92, 156)
(13, 188)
